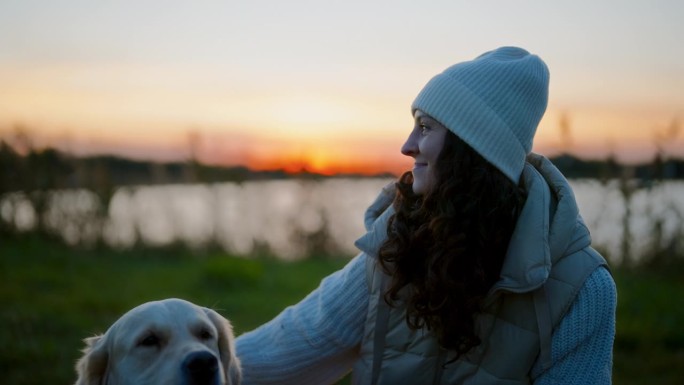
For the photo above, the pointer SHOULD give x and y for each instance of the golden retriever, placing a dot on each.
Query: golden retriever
(171, 342)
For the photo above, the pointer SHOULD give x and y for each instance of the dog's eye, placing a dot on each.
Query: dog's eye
(149, 340)
(205, 334)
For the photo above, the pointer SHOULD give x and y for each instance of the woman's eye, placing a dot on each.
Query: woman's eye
(150, 340)
(424, 129)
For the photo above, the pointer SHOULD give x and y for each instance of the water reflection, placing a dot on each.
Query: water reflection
(289, 217)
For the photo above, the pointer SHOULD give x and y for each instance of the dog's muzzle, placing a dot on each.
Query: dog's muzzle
(201, 368)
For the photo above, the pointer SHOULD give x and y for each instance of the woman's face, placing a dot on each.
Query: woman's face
(424, 145)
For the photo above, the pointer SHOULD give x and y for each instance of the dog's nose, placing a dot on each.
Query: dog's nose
(201, 367)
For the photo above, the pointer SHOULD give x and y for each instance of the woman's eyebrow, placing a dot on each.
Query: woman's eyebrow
(427, 119)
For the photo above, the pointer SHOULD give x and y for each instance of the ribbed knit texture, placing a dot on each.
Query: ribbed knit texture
(582, 345)
(494, 103)
(316, 341)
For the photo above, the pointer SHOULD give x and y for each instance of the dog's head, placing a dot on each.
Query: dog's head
(163, 342)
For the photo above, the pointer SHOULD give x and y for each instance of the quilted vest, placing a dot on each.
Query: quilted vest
(548, 260)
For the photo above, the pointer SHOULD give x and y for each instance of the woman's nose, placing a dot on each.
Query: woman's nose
(410, 147)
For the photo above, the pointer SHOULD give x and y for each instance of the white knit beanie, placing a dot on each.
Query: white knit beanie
(494, 103)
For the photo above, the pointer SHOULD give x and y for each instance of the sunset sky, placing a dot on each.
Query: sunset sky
(325, 85)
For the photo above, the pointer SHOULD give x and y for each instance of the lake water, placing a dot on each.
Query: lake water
(289, 217)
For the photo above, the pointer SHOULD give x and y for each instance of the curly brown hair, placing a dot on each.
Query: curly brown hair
(445, 249)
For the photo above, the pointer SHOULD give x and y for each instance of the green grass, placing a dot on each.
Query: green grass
(649, 343)
(53, 296)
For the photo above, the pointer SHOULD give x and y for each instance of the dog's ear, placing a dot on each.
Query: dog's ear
(92, 366)
(226, 343)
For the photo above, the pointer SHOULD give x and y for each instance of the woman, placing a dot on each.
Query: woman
(476, 269)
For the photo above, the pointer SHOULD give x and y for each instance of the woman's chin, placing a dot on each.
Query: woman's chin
(418, 187)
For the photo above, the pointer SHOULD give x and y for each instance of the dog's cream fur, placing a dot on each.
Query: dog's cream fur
(152, 342)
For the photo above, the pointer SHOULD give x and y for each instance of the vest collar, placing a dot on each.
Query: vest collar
(549, 227)
(370, 242)
(528, 259)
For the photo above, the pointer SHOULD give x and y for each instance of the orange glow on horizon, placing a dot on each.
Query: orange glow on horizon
(631, 136)
(341, 156)
(331, 169)
(320, 131)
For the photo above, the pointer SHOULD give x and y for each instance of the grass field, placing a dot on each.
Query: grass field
(52, 297)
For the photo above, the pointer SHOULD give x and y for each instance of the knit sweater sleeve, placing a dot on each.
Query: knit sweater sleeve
(582, 344)
(315, 341)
